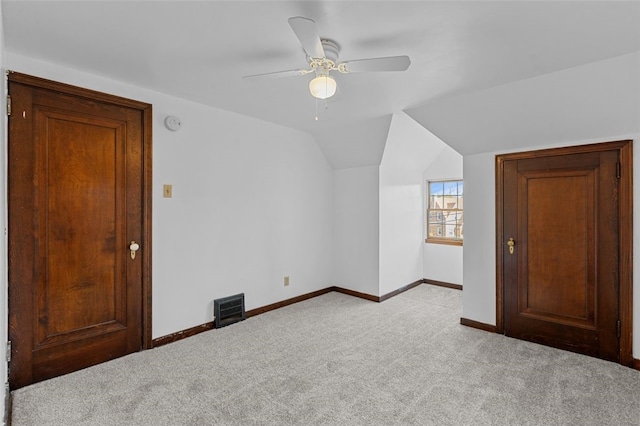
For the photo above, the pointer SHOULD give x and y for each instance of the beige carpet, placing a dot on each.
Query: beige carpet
(340, 360)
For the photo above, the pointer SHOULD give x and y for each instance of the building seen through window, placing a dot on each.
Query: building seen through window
(445, 211)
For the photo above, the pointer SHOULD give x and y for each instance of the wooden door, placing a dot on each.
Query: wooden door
(560, 249)
(78, 196)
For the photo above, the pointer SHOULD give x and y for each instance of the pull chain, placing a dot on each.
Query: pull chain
(316, 109)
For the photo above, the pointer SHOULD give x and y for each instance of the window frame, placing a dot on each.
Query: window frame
(444, 239)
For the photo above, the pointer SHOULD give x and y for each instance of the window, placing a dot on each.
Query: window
(444, 211)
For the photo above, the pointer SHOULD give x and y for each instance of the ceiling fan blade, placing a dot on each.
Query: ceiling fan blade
(307, 33)
(390, 63)
(277, 74)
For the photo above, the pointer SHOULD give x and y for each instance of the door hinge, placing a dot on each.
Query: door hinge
(619, 329)
(9, 351)
(618, 170)
(8, 104)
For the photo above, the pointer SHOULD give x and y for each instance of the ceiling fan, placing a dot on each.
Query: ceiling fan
(322, 55)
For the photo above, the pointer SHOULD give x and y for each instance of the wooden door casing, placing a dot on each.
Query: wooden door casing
(589, 295)
(79, 190)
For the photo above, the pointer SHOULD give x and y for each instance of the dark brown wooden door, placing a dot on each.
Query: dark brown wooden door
(561, 282)
(76, 198)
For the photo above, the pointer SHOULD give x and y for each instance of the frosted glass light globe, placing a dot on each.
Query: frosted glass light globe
(323, 87)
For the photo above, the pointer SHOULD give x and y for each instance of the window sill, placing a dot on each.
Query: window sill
(445, 242)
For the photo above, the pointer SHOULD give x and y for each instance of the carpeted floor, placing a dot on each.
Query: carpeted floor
(340, 360)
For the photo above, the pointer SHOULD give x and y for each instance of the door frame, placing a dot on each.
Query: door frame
(147, 125)
(625, 232)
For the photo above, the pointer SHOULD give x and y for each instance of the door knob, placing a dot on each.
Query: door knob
(511, 244)
(134, 247)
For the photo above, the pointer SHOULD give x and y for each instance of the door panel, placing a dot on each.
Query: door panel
(561, 285)
(558, 267)
(76, 200)
(81, 226)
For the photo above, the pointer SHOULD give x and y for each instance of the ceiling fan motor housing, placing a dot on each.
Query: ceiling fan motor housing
(331, 51)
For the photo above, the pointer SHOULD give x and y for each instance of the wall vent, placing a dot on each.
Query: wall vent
(228, 310)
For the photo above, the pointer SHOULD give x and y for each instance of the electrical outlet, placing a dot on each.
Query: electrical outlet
(167, 191)
(286, 280)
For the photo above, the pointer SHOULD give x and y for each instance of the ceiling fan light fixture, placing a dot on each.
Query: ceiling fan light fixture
(323, 86)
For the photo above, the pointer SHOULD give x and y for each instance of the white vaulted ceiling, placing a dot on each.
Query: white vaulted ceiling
(199, 50)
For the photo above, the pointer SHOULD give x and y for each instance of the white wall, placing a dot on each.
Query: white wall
(252, 202)
(356, 229)
(443, 262)
(400, 236)
(3, 216)
(479, 263)
(410, 148)
(379, 212)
